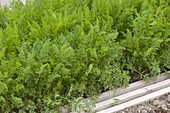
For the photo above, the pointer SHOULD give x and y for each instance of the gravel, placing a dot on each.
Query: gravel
(158, 105)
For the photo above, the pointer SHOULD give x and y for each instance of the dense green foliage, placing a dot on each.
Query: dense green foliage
(53, 52)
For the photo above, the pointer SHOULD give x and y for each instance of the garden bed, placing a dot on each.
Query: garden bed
(55, 53)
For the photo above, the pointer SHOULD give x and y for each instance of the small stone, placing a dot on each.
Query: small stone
(138, 111)
(168, 105)
(156, 102)
(141, 107)
(168, 99)
(144, 111)
(168, 111)
(164, 107)
(152, 106)
(65, 110)
(157, 98)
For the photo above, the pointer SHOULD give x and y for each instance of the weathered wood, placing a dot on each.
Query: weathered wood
(136, 101)
(133, 86)
(133, 94)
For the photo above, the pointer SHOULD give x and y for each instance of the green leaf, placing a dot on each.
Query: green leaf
(17, 101)
(3, 88)
(2, 99)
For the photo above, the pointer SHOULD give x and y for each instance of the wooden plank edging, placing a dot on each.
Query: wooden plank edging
(136, 101)
(132, 95)
(133, 86)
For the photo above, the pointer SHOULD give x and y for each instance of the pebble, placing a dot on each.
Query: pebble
(164, 107)
(64, 110)
(168, 105)
(168, 99)
(138, 111)
(156, 102)
(168, 111)
(141, 107)
(148, 108)
(144, 111)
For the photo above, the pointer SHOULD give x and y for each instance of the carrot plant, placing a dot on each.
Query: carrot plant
(55, 52)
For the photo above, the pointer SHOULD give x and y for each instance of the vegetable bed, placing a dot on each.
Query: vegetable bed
(57, 52)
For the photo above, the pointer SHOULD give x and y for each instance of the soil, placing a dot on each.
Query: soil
(134, 77)
(158, 105)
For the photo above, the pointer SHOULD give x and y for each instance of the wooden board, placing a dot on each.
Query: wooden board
(133, 86)
(136, 101)
(132, 94)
